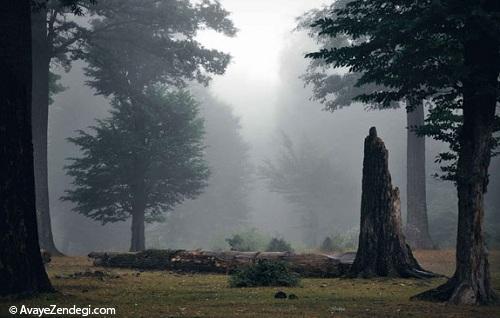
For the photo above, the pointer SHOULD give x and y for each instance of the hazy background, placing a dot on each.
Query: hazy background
(258, 99)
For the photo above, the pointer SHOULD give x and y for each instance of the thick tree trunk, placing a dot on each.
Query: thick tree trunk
(417, 225)
(40, 121)
(471, 283)
(307, 265)
(382, 249)
(21, 267)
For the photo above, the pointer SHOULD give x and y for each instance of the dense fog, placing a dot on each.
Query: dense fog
(256, 114)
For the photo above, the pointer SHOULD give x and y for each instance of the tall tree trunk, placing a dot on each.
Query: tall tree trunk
(382, 249)
(21, 267)
(138, 187)
(471, 283)
(40, 121)
(417, 224)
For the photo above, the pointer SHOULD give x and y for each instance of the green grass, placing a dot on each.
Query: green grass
(166, 294)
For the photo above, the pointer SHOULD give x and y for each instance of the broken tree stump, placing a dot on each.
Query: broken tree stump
(382, 249)
(306, 265)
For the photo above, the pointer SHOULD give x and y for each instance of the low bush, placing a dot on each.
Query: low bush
(278, 245)
(264, 273)
(248, 241)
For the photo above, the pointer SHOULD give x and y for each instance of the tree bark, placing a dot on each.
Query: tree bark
(21, 268)
(138, 239)
(417, 225)
(138, 185)
(138, 242)
(382, 249)
(40, 119)
(471, 283)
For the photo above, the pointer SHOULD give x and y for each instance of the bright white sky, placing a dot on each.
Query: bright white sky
(252, 79)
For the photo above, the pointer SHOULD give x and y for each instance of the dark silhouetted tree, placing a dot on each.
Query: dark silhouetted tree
(141, 162)
(21, 268)
(336, 90)
(60, 38)
(382, 249)
(55, 38)
(417, 51)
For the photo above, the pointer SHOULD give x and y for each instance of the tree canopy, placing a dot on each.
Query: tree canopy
(447, 52)
(137, 43)
(154, 148)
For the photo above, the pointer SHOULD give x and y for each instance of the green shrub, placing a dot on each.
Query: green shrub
(264, 273)
(279, 245)
(247, 241)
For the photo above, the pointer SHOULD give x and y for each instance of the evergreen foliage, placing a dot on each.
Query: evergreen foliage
(331, 88)
(447, 52)
(411, 51)
(151, 152)
(136, 43)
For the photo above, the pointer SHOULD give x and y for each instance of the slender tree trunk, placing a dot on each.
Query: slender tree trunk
(138, 242)
(138, 187)
(382, 249)
(312, 227)
(21, 267)
(417, 225)
(471, 283)
(40, 121)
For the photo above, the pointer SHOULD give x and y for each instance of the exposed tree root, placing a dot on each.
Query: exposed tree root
(459, 293)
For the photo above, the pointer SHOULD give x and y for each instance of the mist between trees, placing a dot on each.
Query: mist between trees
(239, 196)
(297, 178)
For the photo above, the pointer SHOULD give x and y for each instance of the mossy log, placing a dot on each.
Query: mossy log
(306, 265)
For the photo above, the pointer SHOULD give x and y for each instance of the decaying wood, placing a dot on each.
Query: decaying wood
(307, 265)
(382, 249)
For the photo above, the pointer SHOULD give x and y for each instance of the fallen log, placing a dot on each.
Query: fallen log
(306, 265)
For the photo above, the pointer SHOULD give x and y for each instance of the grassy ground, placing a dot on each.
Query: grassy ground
(165, 294)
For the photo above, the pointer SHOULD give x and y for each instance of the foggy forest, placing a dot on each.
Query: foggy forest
(227, 158)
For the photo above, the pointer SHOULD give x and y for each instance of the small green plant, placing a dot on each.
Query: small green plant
(279, 245)
(247, 241)
(264, 273)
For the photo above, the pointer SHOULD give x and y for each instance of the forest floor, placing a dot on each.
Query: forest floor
(166, 294)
